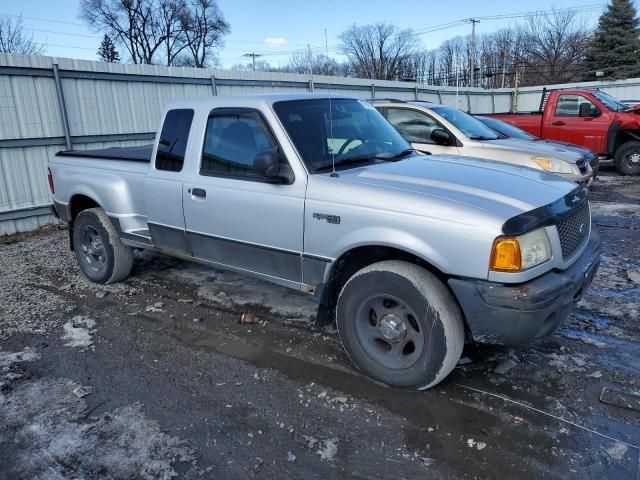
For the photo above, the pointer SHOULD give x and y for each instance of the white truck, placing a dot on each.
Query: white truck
(411, 254)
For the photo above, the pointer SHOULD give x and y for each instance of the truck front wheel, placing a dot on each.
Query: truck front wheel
(400, 324)
(627, 158)
(102, 257)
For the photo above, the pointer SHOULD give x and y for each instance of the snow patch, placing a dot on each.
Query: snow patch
(328, 449)
(78, 331)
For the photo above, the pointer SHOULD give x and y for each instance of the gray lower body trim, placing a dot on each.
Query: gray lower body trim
(313, 270)
(172, 238)
(271, 262)
(279, 266)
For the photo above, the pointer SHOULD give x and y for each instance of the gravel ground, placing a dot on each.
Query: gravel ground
(155, 378)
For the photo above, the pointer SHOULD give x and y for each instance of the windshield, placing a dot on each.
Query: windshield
(506, 129)
(353, 133)
(610, 102)
(473, 128)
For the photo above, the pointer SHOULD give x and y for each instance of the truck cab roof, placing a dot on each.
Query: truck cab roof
(255, 100)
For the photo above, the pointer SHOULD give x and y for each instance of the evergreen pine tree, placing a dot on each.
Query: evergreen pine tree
(615, 47)
(107, 51)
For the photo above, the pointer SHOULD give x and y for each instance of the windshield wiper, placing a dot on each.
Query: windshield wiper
(402, 154)
(366, 159)
(481, 137)
(347, 161)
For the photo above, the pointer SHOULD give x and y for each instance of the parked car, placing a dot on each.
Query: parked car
(507, 130)
(435, 128)
(631, 103)
(589, 118)
(412, 255)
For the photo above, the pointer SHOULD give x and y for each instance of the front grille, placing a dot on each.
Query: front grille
(574, 230)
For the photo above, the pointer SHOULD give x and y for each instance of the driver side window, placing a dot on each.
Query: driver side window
(232, 141)
(414, 126)
(569, 105)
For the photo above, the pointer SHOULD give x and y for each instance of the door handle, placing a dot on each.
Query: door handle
(559, 122)
(199, 192)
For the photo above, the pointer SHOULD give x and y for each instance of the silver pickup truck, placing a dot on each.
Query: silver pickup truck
(412, 255)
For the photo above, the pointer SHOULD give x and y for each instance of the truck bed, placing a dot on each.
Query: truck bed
(531, 121)
(140, 154)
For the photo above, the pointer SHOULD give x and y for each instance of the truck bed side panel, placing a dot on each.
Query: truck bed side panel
(530, 122)
(114, 184)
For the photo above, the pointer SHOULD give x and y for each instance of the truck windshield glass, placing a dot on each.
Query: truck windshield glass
(353, 131)
(506, 129)
(473, 128)
(610, 102)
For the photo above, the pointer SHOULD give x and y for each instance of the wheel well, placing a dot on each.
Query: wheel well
(624, 136)
(77, 204)
(355, 259)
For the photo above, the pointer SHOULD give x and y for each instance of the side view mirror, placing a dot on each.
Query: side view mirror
(588, 110)
(441, 136)
(267, 165)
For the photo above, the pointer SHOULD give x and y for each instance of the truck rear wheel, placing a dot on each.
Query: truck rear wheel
(400, 324)
(102, 257)
(627, 158)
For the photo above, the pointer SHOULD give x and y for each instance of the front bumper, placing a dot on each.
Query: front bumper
(516, 314)
(581, 179)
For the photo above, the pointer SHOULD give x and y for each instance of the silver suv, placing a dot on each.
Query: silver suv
(434, 128)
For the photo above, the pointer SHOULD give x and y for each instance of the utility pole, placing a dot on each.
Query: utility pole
(309, 59)
(473, 22)
(516, 92)
(253, 57)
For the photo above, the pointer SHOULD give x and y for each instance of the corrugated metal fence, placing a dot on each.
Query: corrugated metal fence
(48, 104)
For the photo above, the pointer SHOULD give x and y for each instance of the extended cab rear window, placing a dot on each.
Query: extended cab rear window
(173, 140)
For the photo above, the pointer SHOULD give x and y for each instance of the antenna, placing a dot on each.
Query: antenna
(333, 155)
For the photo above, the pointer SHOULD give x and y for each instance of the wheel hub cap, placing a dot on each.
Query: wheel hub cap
(635, 157)
(392, 327)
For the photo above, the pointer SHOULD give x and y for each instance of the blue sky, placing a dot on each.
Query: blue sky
(275, 28)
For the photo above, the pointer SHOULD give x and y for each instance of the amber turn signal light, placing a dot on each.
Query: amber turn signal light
(505, 255)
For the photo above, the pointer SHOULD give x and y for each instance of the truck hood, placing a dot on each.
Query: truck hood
(532, 149)
(449, 184)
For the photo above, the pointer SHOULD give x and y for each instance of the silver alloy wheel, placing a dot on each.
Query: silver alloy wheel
(389, 332)
(633, 159)
(92, 248)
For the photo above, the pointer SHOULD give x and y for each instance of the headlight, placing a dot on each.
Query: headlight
(514, 254)
(553, 165)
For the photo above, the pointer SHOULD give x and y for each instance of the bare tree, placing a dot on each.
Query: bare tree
(133, 23)
(172, 14)
(314, 63)
(555, 44)
(260, 66)
(13, 38)
(377, 51)
(546, 48)
(204, 27)
(160, 30)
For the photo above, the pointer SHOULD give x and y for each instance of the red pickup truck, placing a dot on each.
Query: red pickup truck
(589, 118)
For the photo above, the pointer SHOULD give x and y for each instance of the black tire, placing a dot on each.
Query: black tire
(627, 158)
(102, 257)
(430, 315)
